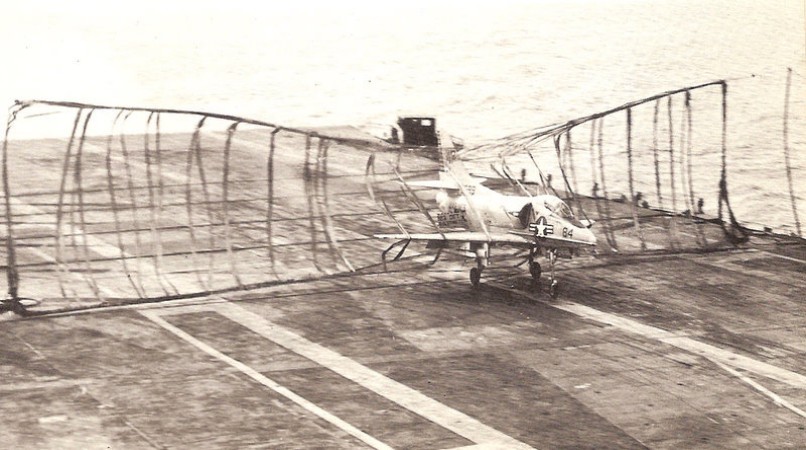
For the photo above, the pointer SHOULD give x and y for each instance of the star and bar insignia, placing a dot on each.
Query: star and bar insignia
(541, 227)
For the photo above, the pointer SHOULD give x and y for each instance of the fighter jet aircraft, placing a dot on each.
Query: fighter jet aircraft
(476, 218)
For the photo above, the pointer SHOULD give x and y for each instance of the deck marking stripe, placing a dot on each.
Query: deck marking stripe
(710, 352)
(775, 397)
(476, 447)
(789, 258)
(679, 340)
(154, 316)
(411, 399)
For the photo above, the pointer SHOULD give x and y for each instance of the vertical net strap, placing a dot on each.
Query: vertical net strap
(231, 256)
(110, 180)
(310, 193)
(154, 215)
(197, 150)
(609, 232)
(82, 229)
(630, 176)
(138, 244)
(330, 232)
(701, 240)
(194, 143)
(59, 247)
(736, 234)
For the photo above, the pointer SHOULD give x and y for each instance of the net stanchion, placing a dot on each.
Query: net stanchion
(655, 157)
(736, 234)
(308, 178)
(270, 201)
(674, 238)
(12, 272)
(787, 161)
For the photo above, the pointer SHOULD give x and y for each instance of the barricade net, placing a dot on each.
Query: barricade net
(136, 204)
(120, 210)
(652, 173)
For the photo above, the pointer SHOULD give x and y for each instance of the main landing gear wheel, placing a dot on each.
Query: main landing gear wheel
(535, 270)
(553, 289)
(475, 276)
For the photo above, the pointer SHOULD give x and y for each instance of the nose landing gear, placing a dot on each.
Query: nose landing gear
(552, 257)
(482, 257)
(534, 267)
(475, 276)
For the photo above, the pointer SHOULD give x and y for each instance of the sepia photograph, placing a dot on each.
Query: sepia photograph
(512, 224)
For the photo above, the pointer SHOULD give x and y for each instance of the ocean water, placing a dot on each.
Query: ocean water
(484, 69)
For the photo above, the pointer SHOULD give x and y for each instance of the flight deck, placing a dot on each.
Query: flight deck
(213, 319)
(649, 354)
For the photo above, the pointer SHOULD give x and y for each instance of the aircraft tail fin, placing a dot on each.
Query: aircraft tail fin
(455, 172)
(442, 183)
(450, 177)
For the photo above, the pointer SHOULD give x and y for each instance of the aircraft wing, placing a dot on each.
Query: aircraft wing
(550, 241)
(463, 236)
(514, 238)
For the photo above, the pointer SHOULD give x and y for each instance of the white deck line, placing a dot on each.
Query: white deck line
(708, 351)
(776, 255)
(679, 340)
(154, 315)
(775, 397)
(408, 398)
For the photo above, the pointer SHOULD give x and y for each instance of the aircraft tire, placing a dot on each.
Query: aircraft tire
(475, 277)
(554, 291)
(535, 270)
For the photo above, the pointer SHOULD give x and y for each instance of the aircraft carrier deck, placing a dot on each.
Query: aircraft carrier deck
(689, 350)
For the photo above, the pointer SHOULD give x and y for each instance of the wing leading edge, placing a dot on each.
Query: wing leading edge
(508, 238)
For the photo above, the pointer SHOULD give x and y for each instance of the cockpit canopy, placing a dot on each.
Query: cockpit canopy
(553, 205)
(559, 208)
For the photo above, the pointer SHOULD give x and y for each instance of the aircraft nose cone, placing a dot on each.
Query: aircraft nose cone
(591, 238)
